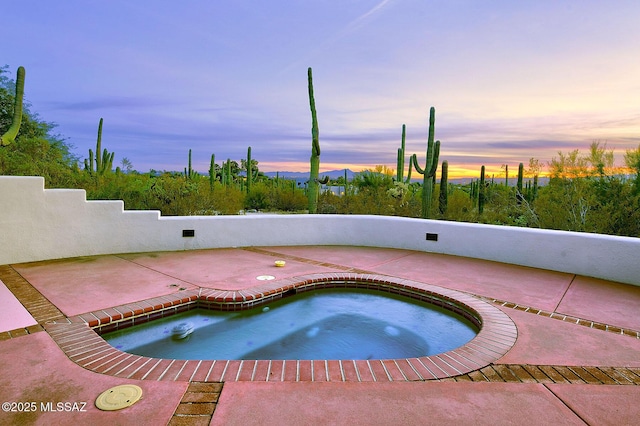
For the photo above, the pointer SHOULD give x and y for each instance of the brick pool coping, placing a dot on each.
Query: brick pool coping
(79, 337)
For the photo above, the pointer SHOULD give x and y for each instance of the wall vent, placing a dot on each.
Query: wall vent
(432, 237)
(188, 232)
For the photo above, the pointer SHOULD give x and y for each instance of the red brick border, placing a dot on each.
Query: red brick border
(78, 338)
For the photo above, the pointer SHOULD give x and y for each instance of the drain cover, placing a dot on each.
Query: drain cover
(265, 277)
(118, 397)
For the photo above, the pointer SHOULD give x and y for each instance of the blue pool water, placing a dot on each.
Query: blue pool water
(320, 324)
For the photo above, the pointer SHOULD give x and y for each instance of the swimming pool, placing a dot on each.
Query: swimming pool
(321, 324)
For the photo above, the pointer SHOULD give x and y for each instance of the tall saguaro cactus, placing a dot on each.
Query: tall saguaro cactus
(251, 176)
(400, 171)
(103, 160)
(429, 171)
(481, 192)
(229, 179)
(519, 196)
(312, 192)
(249, 171)
(444, 188)
(10, 135)
(189, 173)
(212, 172)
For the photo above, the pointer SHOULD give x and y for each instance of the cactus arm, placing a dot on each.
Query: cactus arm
(414, 161)
(434, 159)
(107, 160)
(10, 135)
(432, 122)
(104, 161)
(409, 174)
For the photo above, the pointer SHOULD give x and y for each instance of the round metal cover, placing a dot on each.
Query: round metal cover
(118, 397)
(265, 277)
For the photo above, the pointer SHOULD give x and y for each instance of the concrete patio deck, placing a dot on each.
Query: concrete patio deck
(576, 359)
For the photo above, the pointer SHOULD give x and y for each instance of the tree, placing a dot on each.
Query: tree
(600, 159)
(36, 150)
(632, 161)
(534, 168)
(381, 177)
(127, 165)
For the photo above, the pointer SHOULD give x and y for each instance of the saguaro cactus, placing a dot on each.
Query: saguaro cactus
(429, 171)
(312, 192)
(228, 173)
(103, 160)
(444, 188)
(346, 182)
(212, 172)
(10, 135)
(519, 196)
(189, 173)
(249, 171)
(400, 171)
(251, 176)
(481, 191)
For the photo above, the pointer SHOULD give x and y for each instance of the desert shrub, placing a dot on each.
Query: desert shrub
(289, 200)
(259, 198)
(460, 207)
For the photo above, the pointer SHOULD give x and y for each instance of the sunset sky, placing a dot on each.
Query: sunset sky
(510, 80)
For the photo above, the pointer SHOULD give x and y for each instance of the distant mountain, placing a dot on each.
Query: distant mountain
(333, 174)
(500, 181)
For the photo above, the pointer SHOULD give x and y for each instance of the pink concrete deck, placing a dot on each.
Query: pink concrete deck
(594, 328)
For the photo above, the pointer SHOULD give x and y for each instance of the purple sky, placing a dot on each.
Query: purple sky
(510, 80)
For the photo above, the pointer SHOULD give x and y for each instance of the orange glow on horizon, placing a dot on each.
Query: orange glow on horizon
(464, 171)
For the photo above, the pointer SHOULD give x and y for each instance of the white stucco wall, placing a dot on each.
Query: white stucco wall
(39, 224)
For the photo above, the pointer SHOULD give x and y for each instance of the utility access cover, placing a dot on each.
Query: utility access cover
(118, 397)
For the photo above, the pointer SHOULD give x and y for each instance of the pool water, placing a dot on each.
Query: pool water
(320, 324)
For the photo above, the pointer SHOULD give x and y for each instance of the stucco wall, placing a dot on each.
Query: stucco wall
(39, 224)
